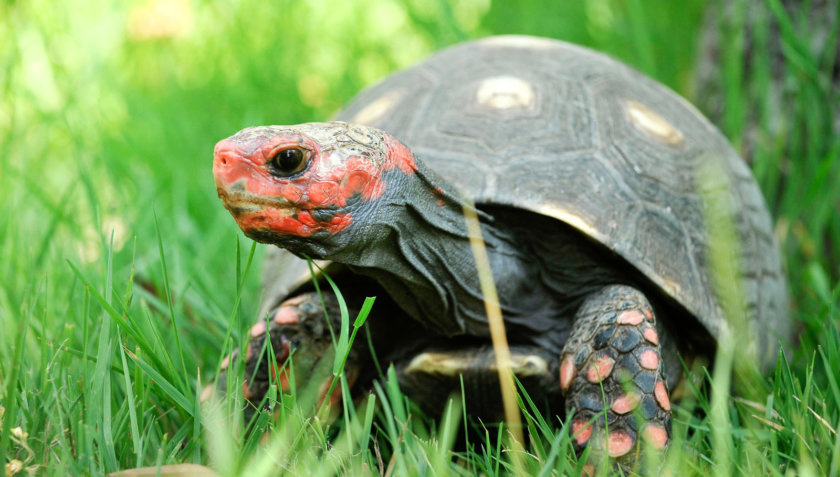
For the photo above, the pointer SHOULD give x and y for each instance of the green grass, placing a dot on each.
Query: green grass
(123, 282)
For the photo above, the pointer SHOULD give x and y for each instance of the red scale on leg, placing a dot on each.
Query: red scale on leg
(651, 335)
(632, 317)
(626, 403)
(295, 301)
(655, 436)
(661, 395)
(286, 315)
(619, 443)
(649, 359)
(567, 372)
(582, 431)
(258, 329)
(600, 369)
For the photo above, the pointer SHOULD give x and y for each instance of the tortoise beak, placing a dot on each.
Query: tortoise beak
(228, 164)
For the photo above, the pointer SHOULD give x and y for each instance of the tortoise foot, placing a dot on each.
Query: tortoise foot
(296, 329)
(612, 375)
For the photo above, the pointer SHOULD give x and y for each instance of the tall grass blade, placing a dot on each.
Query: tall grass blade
(498, 337)
(184, 377)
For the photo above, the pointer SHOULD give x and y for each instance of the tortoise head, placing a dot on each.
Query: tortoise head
(305, 187)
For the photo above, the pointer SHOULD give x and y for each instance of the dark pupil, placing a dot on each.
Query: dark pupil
(287, 160)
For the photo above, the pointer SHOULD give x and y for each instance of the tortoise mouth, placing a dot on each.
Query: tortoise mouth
(253, 212)
(247, 202)
(272, 219)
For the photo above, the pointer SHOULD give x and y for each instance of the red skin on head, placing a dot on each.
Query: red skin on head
(399, 156)
(330, 178)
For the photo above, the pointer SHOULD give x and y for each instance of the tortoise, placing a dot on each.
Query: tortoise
(589, 180)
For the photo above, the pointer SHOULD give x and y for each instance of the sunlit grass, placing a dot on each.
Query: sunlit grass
(123, 282)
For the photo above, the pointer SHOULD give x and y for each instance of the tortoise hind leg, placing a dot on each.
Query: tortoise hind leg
(612, 374)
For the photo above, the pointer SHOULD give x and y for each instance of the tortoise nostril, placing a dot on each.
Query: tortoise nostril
(222, 153)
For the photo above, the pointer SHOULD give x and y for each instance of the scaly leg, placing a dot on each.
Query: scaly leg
(297, 325)
(611, 370)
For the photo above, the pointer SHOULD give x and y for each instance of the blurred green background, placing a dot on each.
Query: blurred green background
(109, 112)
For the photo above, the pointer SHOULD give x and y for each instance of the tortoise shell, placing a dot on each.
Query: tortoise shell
(572, 134)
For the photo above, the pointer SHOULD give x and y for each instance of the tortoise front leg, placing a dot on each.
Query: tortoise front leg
(613, 378)
(297, 326)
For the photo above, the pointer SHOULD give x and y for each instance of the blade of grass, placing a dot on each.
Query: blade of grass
(370, 406)
(497, 336)
(196, 429)
(107, 425)
(132, 405)
(168, 388)
(446, 437)
(184, 377)
(344, 315)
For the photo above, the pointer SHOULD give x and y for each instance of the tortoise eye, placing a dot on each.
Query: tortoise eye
(287, 162)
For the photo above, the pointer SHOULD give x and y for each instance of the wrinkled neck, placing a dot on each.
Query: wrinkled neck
(422, 254)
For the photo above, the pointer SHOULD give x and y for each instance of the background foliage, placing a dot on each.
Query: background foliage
(120, 273)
